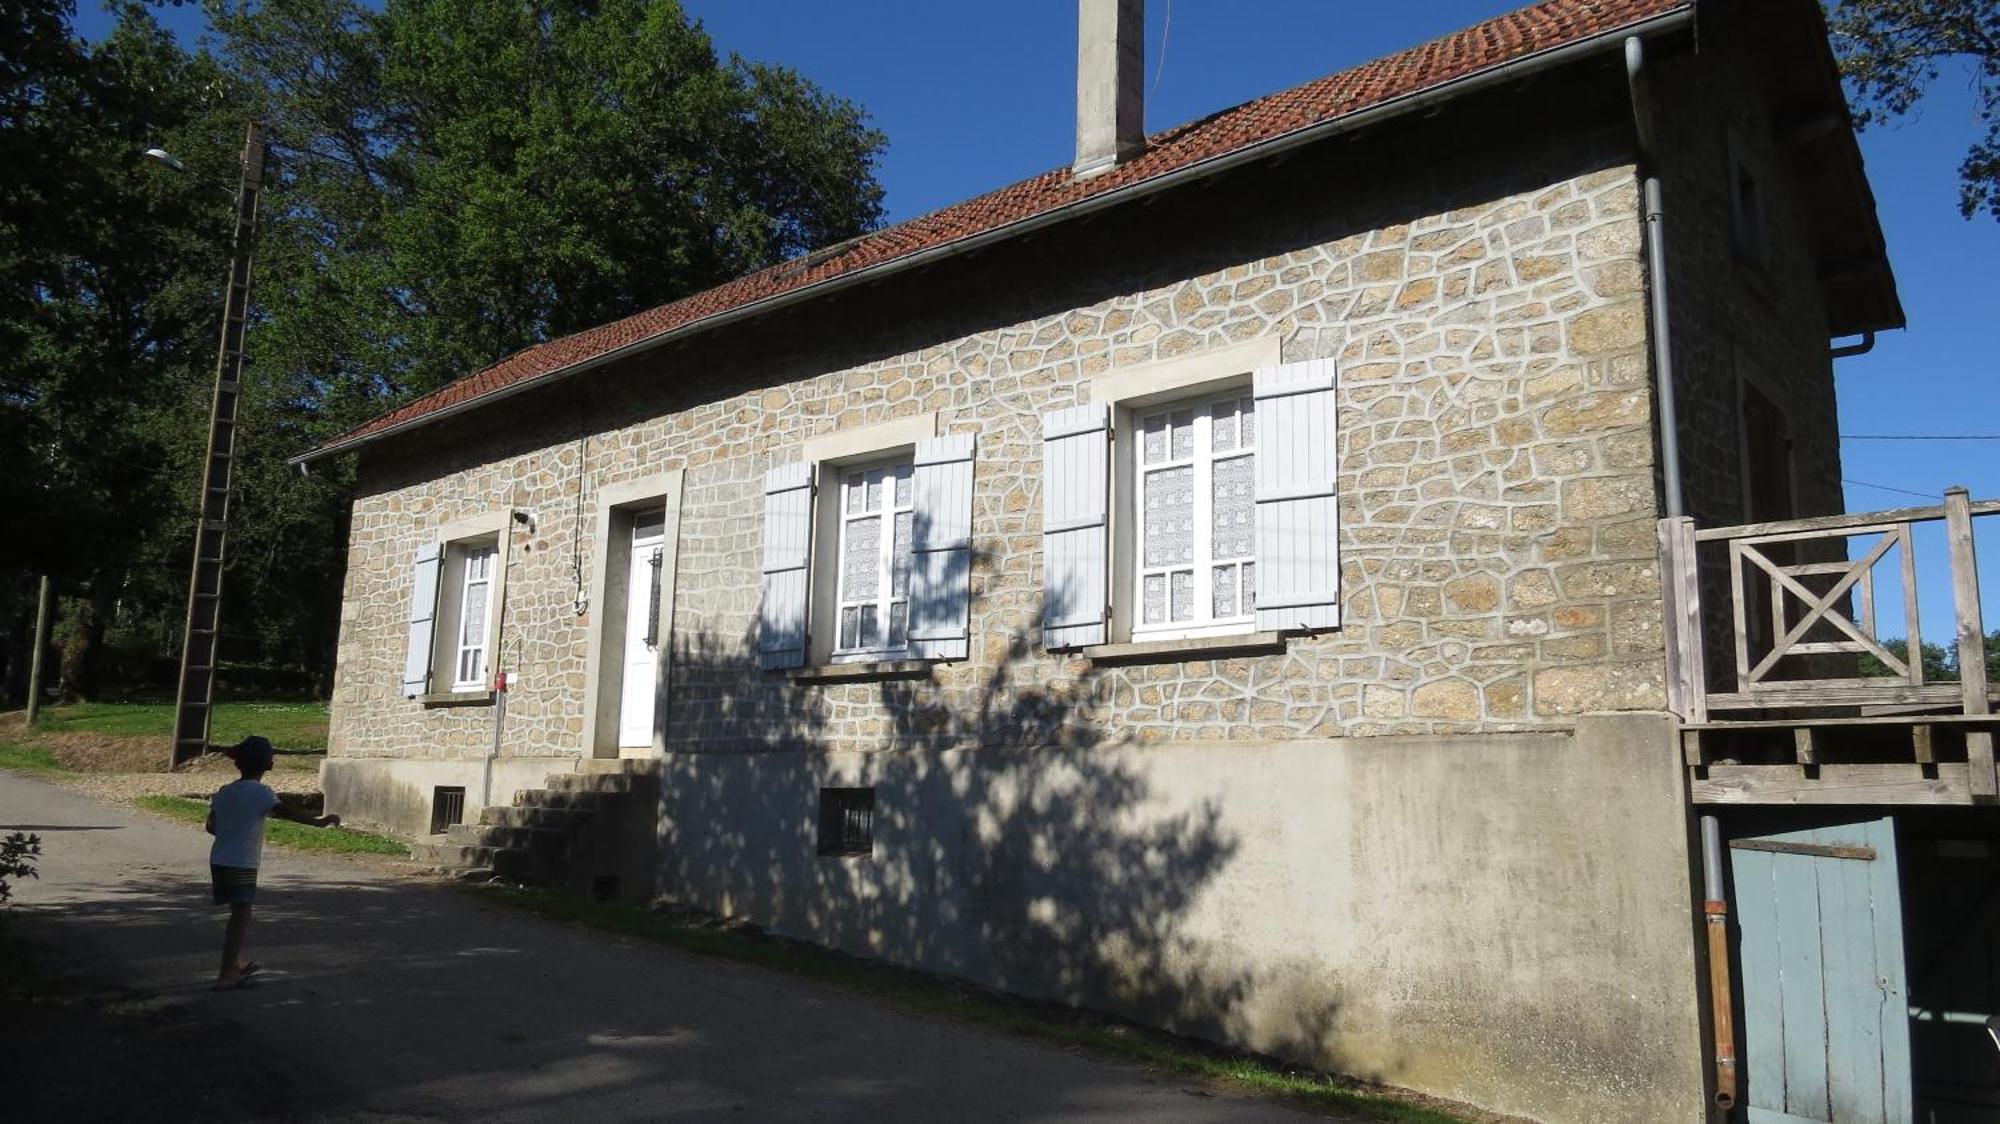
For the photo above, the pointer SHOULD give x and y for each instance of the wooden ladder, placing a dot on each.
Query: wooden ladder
(194, 699)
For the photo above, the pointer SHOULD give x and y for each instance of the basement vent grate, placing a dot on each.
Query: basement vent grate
(447, 807)
(846, 821)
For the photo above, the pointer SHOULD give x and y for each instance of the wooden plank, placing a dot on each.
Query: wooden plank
(1923, 743)
(1694, 653)
(1805, 748)
(1817, 526)
(1742, 620)
(1686, 676)
(1691, 751)
(1853, 1004)
(1834, 692)
(1802, 999)
(1863, 721)
(1885, 892)
(1912, 620)
(1836, 784)
(1757, 954)
(1823, 850)
(1971, 638)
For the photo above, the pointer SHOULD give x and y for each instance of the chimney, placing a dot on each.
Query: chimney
(1110, 83)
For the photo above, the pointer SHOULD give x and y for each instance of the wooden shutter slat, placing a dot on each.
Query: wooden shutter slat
(781, 613)
(941, 548)
(423, 619)
(1076, 494)
(1298, 504)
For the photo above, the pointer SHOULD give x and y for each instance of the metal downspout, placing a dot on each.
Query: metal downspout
(1865, 345)
(1715, 906)
(1656, 270)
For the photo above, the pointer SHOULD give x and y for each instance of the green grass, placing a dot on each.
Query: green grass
(27, 759)
(914, 991)
(284, 833)
(291, 726)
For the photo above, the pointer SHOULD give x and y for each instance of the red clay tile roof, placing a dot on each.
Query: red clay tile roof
(1540, 27)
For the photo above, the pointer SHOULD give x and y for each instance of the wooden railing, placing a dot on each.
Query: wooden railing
(1803, 613)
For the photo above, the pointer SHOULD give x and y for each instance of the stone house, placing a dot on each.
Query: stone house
(1218, 582)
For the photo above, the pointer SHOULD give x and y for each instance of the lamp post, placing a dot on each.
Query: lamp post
(194, 696)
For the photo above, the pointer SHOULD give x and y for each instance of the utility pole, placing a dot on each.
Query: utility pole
(195, 699)
(42, 607)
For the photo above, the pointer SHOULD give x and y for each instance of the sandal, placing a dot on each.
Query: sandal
(245, 971)
(233, 983)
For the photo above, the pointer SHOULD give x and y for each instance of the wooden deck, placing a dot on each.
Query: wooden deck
(1788, 715)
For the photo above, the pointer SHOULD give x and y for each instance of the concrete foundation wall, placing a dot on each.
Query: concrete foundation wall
(1502, 918)
(394, 794)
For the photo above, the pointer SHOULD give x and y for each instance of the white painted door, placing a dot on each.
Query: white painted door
(640, 692)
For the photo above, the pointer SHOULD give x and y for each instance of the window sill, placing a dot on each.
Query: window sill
(876, 672)
(455, 698)
(1192, 648)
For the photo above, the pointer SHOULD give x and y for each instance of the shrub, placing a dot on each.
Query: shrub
(18, 853)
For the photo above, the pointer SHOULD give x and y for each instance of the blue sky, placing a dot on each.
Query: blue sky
(974, 96)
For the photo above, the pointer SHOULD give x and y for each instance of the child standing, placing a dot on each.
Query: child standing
(236, 819)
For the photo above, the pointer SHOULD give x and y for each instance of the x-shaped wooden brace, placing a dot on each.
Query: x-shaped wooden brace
(1819, 607)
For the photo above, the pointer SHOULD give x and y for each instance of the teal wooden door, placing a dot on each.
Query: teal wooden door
(1825, 1012)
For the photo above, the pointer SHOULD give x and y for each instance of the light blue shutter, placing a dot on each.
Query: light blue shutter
(1298, 502)
(423, 619)
(1076, 492)
(781, 614)
(941, 549)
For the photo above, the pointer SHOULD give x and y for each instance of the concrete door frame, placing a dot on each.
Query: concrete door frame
(602, 692)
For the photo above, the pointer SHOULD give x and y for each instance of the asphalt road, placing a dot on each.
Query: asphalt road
(389, 999)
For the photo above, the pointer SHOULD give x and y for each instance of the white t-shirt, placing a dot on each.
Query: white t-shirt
(239, 809)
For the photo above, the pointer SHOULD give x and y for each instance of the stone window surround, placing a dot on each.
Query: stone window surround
(1129, 390)
(834, 450)
(499, 524)
(616, 504)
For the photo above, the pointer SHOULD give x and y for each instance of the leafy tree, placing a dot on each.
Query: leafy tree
(106, 283)
(455, 180)
(1892, 51)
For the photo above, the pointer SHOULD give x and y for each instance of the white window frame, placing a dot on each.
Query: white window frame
(832, 455)
(850, 481)
(476, 566)
(1201, 460)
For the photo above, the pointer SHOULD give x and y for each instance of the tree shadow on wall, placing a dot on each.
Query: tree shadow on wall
(1018, 841)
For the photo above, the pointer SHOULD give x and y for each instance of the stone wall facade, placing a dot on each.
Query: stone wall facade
(1497, 480)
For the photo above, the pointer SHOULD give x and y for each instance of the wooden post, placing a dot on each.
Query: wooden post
(1680, 581)
(42, 606)
(1984, 783)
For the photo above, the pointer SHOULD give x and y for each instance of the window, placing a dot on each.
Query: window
(447, 807)
(1180, 503)
(1748, 229)
(457, 586)
(868, 550)
(475, 608)
(876, 522)
(846, 821)
(1196, 570)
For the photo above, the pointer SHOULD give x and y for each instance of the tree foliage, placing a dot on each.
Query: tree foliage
(1893, 51)
(453, 180)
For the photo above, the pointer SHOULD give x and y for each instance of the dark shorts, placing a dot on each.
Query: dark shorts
(234, 885)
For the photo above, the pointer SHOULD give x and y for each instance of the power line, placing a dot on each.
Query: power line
(1160, 70)
(1887, 488)
(1920, 437)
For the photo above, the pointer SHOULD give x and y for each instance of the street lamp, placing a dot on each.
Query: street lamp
(194, 696)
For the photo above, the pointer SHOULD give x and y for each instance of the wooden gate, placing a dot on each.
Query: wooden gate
(1826, 1015)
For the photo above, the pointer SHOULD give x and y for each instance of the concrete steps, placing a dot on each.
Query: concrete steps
(547, 831)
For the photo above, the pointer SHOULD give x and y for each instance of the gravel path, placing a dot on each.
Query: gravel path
(391, 1000)
(200, 780)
